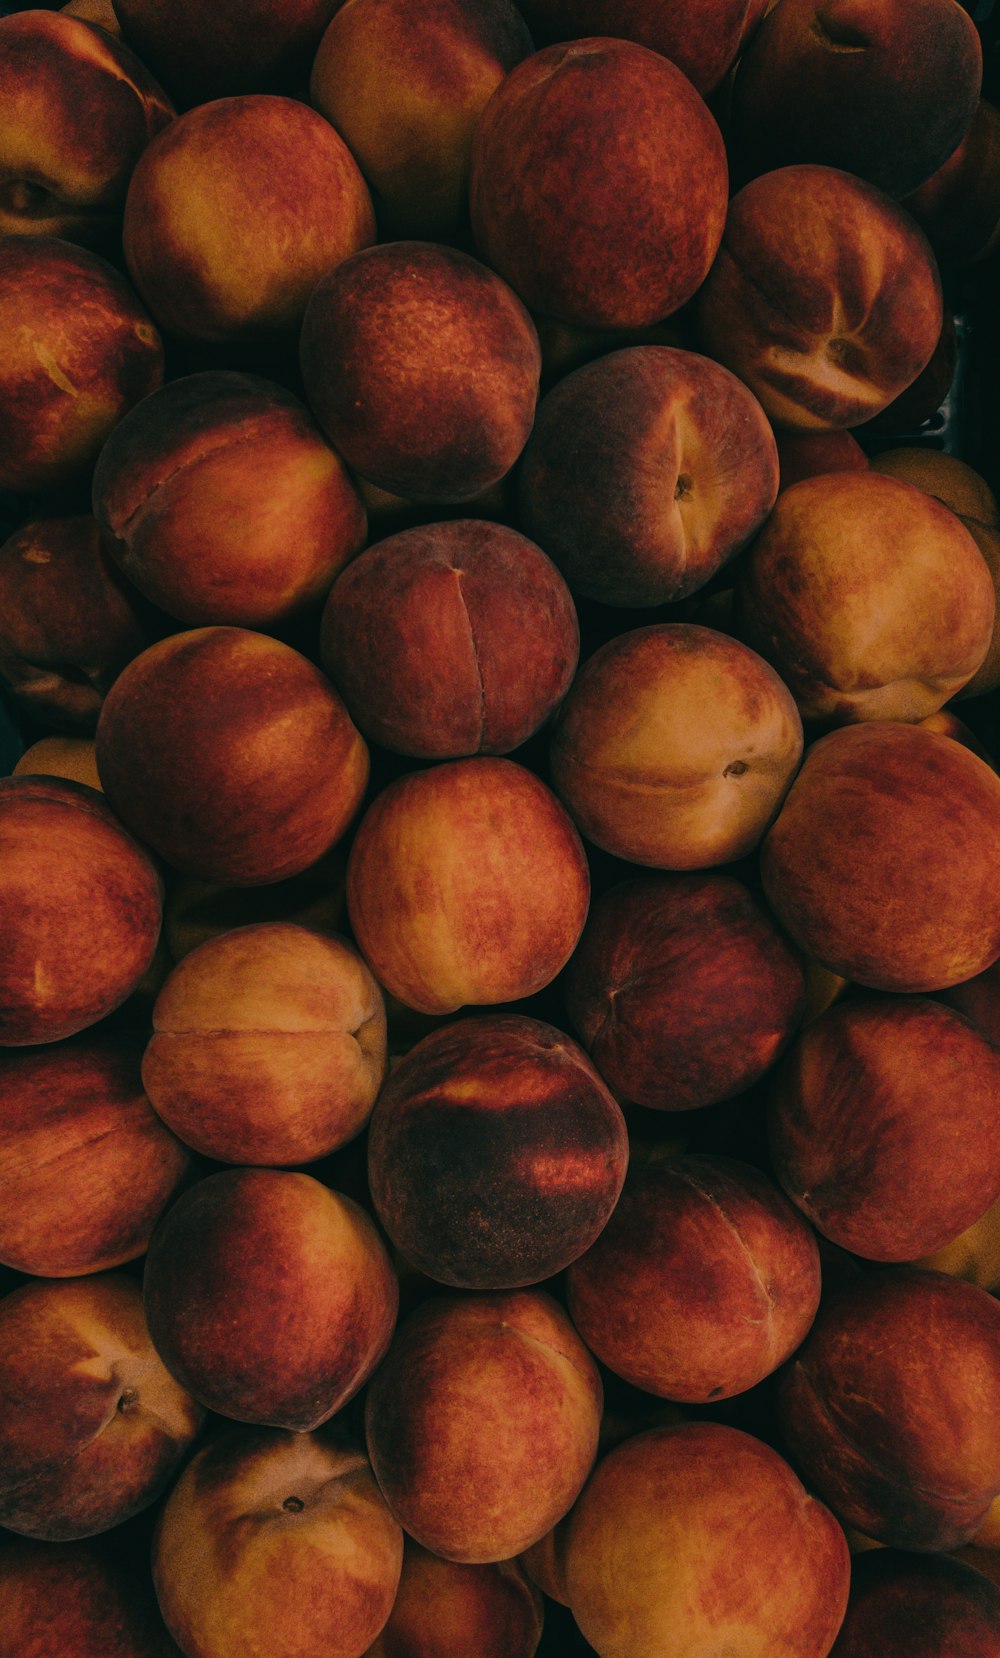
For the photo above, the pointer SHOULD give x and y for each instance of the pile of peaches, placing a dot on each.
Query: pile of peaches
(499, 904)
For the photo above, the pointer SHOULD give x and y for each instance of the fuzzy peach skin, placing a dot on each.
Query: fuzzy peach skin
(903, 1606)
(881, 863)
(959, 205)
(891, 1407)
(80, 910)
(405, 87)
(698, 1540)
(79, 352)
(86, 1166)
(276, 1545)
(69, 622)
(77, 109)
(703, 37)
(421, 366)
(233, 46)
(196, 911)
(76, 1598)
(645, 473)
(72, 757)
(884, 1125)
(675, 747)
(235, 212)
(221, 501)
(683, 990)
(869, 597)
(482, 1423)
(447, 1610)
(451, 639)
(825, 297)
(92, 1427)
(466, 884)
(703, 1282)
(231, 754)
(270, 1296)
(908, 72)
(268, 1045)
(495, 1153)
(598, 184)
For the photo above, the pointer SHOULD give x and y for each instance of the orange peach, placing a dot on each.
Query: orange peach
(231, 754)
(276, 1543)
(598, 184)
(444, 1609)
(675, 747)
(825, 297)
(72, 757)
(268, 1046)
(92, 1427)
(482, 1423)
(269, 1296)
(234, 213)
(699, 1539)
(466, 884)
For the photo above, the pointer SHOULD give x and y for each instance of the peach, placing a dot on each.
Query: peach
(890, 1408)
(924, 403)
(276, 1543)
(495, 1153)
(675, 747)
(884, 1125)
(74, 758)
(974, 1255)
(909, 71)
(269, 1296)
(80, 910)
(196, 911)
(422, 368)
(598, 184)
(869, 598)
(683, 990)
(451, 639)
(704, 39)
(69, 623)
(978, 997)
(482, 1423)
(101, 12)
(898, 893)
(78, 110)
(702, 1283)
(92, 1427)
(234, 213)
(221, 501)
(231, 754)
(466, 884)
(233, 46)
(444, 1609)
(86, 1166)
(825, 297)
(959, 205)
(645, 473)
(699, 1539)
(79, 352)
(805, 454)
(932, 1607)
(77, 1598)
(405, 89)
(268, 1046)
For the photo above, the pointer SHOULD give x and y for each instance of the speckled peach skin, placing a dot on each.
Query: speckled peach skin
(421, 366)
(277, 1545)
(869, 597)
(270, 1296)
(489, 1441)
(405, 88)
(446, 1610)
(78, 110)
(703, 40)
(79, 1598)
(675, 747)
(700, 1540)
(825, 297)
(891, 1407)
(92, 1427)
(615, 226)
(645, 473)
(466, 884)
(918, 1606)
(194, 752)
(236, 211)
(881, 863)
(884, 1125)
